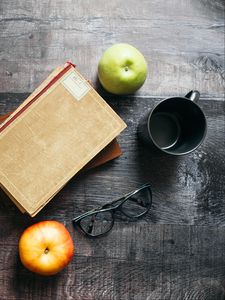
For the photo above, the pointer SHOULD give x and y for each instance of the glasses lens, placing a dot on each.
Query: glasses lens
(98, 223)
(137, 204)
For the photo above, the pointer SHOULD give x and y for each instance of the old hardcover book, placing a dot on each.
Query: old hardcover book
(110, 152)
(52, 135)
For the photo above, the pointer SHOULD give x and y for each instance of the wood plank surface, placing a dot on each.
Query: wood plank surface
(182, 41)
(186, 190)
(133, 262)
(176, 252)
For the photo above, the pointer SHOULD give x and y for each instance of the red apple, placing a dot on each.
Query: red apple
(46, 247)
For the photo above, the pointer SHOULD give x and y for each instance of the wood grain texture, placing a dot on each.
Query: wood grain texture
(176, 252)
(182, 40)
(186, 190)
(133, 262)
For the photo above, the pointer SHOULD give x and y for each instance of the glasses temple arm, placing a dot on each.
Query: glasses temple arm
(88, 213)
(112, 202)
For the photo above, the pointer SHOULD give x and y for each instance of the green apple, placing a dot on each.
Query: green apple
(122, 69)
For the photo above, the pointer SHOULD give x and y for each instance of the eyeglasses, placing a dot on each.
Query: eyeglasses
(100, 221)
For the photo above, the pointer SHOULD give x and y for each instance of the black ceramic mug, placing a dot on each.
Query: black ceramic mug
(175, 125)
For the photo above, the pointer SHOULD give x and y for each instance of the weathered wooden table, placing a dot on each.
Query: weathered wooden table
(177, 251)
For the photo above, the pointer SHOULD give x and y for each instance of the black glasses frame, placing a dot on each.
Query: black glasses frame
(116, 207)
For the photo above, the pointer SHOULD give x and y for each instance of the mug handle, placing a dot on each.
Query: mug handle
(193, 96)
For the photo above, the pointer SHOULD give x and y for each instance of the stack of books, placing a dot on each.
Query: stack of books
(63, 126)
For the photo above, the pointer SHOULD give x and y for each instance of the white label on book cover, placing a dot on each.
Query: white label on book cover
(76, 85)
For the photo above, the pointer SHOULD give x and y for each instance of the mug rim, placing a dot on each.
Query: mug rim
(169, 152)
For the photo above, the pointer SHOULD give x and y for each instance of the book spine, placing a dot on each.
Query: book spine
(25, 107)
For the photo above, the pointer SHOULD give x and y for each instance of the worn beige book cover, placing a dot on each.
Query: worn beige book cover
(51, 136)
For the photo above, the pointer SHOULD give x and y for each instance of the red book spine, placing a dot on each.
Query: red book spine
(25, 107)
